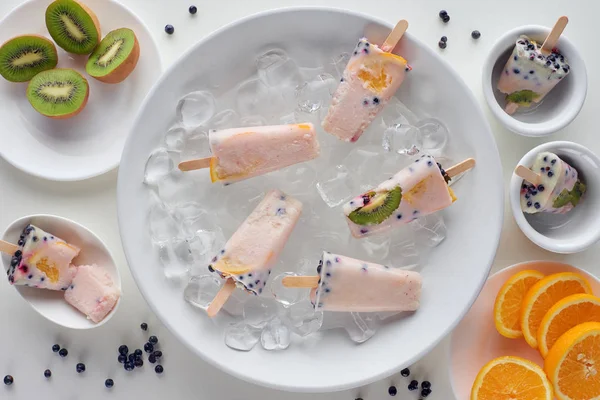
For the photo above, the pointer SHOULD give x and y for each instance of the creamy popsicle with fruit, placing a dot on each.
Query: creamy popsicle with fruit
(92, 292)
(42, 261)
(242, 153)
(557, 188)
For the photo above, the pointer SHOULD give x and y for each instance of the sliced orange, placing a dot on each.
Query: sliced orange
(507, 309)
(543, 295)
(511, 378)
(564, 315)
(573, 363)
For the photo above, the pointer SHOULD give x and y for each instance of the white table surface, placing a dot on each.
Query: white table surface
(27, 338)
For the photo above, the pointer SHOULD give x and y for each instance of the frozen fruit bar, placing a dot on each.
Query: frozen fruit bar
(370, 79)
(242, 153)
(351, 285)
(92, 292)
(250, 253)
(42, 261)
(559, 190)
(529, 74)
(417, 190)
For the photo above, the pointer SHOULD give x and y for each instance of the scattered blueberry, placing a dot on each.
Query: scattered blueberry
(132, 358)
(123, 349)
(392, 390)
(159, 369)
(157, 354)
(442, 45)
(193, 10)
(122, 358)
(47, 373)
(405, 372)
(153, 339)
(148, 347)
(129, 366)
(144, 326)
(109, 383)
(444, 39)
(56, 348)
(426, 385)
(8, 380)
(475, 34)
(152, 359)
(138, 352)
(63, 352)
(169, 29)
(413, 385)
(425, 392)
(138, 362)
(443, 13)
(446, 19)
(80, 368)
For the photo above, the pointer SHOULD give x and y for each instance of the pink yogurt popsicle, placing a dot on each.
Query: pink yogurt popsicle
(351, 285)
(421, 188)
(242, 153)
(92, 292)
(370, 79)
(253, 249)
(42, 261)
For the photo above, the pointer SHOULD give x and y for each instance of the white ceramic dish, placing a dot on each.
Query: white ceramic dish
(50, 303)
(475, 340)
(456, 270)
(90, 143)
(558, 108)
(578, 229)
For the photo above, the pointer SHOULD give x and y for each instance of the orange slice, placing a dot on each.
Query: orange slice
(507, 309)
(543, 295)
(573, 363)
(511, 378)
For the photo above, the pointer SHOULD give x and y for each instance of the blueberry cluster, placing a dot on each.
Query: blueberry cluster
(413, 385)
(530, 191)
(531, 50)
(444, 16)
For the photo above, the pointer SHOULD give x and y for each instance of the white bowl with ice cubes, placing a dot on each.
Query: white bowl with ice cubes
(173, 223)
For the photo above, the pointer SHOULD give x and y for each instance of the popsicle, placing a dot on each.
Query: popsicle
(351, 285)
(417, 190)
(370, 79)
(551, 185)
(533, 70)
(42, 260)
(92, 292)
(242, 153)
(253, 249)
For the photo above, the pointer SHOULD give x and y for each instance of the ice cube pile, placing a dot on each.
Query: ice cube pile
(190, 218)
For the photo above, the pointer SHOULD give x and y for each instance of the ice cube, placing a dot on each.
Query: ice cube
(284, 295)
(162, 224)
(404, 253)
(281, 73)
(303, 318)
(365, 166)
(189, 211)
(196, 145)
(235, 304)
(270, 57)
(377, 247)
(201, 290)
(253, 120)
(434, 134)
(396, 112)
(275, 336)
(179, 189)
(316, 93)
(253, 98)
(182, 251)
(259, 310)
(339, 64)
(402, 139)
(172, 268)
(241, 336)
(203, 246)
(175, 138)
(288, 119)
(362, 326)
(195, 109)
(224, 120)
(429, 230)
(336, 186)
(158, 165)
(245, 200)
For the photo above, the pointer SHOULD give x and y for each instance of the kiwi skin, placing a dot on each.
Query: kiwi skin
(75, 112)
(123, 71)
(94, 20)
(45, 39)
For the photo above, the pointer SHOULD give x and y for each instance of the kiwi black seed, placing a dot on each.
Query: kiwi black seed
(23, 57)
(58, 93)
(73, 26)
(379, 207)
(115, 58)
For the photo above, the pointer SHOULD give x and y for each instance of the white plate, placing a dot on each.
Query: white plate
(90, 143)
(457, 269)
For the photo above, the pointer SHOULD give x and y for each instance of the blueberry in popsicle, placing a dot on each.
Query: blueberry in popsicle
(242, 153)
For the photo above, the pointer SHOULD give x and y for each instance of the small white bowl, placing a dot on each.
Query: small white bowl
(576, 230)
(558, 108)
(51, 303)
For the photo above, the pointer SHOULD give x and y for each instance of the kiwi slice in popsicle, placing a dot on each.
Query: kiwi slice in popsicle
(23, 57)
(115, 58)
(58, 93)
(380, 206)
(73, 26)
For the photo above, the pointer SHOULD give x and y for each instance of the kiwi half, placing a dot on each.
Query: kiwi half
(58, 93)
(73, 26)
(115, 58)
(23, 57)
(379, 207)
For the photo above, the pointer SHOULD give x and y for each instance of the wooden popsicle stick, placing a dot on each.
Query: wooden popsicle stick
(221, 298)
(555, 33)
(395, 35)
(192, 165)
(528, 175)
(511, 108)
(300, 281)
(8, 248)
(461, 167)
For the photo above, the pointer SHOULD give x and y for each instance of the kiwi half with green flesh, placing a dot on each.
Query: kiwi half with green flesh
(115, 58)
(23, 57)
(523, 97)
(379, 207)
(58, 93)
(73, 26)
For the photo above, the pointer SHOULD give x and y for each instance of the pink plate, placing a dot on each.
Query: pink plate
(475, 341)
